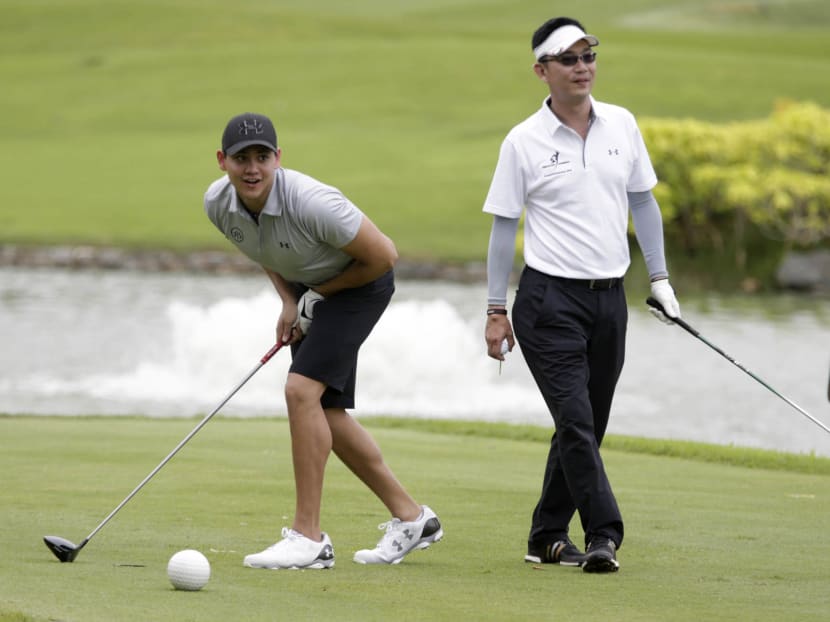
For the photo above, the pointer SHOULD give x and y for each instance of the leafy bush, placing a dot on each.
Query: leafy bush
(722, 183)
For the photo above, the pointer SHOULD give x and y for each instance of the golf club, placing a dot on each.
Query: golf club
(652, 302)
(66, 551)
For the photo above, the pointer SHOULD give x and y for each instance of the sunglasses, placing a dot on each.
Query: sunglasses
(569, 60)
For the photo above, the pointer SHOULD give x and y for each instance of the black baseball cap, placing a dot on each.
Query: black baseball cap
(248, 129)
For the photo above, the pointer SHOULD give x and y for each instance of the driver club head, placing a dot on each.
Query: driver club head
(63, 549)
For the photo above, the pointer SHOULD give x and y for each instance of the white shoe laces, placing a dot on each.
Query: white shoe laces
(287, 534)
(390, 527)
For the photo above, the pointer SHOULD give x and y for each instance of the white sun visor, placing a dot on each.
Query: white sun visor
(561, 39)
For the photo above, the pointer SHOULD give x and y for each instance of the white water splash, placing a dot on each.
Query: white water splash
(423, 359)
(175, 345)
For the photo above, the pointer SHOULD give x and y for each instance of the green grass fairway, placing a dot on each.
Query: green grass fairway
(705, 540)
(112, 109)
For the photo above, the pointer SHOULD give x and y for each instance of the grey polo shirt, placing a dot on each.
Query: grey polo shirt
(301, 229)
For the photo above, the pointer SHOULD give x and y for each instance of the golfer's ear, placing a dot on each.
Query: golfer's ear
(220, 158)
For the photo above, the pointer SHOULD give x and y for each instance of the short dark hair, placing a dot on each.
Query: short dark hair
(543, 32)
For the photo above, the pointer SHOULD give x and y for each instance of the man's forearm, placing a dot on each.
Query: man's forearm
(648, 226)
(500, 254)
(356, 274)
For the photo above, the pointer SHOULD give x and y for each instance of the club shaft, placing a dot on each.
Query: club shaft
(184, 441)
(765, 384)
(685, 326)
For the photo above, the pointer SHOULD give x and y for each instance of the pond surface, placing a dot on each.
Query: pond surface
(174, 344)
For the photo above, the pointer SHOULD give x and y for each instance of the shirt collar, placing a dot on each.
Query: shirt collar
(273, 206)
(553, 123)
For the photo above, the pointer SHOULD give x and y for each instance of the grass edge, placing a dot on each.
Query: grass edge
(731, 455)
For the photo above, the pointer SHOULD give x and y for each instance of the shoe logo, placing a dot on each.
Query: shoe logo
(326, 553)
(554, 550)
(397, 545)
(409, 535)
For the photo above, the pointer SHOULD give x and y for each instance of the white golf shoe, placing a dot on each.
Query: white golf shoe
(402, 537)
(294, 552)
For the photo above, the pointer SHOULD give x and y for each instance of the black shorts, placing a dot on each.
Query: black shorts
(342, 322)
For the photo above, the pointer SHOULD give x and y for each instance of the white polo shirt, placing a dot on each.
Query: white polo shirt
(574, 191)
(301, 229)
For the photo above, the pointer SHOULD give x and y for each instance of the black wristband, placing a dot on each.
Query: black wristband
(496, 311)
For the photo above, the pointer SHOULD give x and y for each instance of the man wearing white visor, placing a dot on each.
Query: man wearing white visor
(576, 168)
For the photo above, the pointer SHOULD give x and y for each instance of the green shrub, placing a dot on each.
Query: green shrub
(723, 184)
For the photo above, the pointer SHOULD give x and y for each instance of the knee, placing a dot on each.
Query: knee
(301, 392)
(575, 425)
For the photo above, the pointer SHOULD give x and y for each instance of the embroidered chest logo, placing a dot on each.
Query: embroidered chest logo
(614, 152)
(284, 245)
(237, 235)
(555, 165)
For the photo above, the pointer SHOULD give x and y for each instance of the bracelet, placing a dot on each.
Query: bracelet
(496, 311)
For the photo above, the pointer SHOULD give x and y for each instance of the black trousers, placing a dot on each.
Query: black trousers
(573, 339)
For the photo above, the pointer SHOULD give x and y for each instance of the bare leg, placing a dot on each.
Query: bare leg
(311, 444)
(361, 454)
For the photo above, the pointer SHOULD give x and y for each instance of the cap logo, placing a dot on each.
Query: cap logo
(254, 126)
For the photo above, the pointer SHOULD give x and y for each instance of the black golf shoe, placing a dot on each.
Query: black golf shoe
(601, 556)
(562, 552)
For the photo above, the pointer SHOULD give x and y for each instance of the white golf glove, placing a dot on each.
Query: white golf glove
(664, 294)
(305, 309)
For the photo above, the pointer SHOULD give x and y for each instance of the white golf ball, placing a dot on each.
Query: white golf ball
(188, 570)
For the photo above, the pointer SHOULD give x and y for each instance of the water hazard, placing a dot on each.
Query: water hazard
(172, 345)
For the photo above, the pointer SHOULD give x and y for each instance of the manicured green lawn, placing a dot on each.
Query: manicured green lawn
(706, 540)
(113, 110)
(110, 117)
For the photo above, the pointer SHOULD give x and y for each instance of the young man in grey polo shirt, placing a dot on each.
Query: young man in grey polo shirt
(332, 269)
(576, 167)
